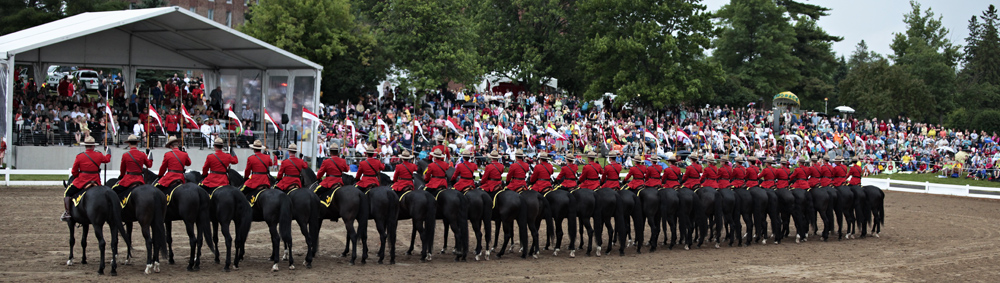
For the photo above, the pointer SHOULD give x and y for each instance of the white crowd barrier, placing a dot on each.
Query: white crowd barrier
(933, 188)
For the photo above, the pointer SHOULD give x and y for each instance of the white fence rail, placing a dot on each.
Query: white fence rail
(933, 188)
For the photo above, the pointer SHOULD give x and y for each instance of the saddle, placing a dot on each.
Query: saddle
(253, 198)
(171, 189)
(329, 198)
(79, 196)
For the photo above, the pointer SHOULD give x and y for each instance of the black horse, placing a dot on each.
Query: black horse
(669, 214)
(97, 205)
(384, 209)
(189, 203)
(508, 207)
(745, 210)
(688, 207)
(822, 204)
(306, 210)
(144, 204)
(607, 207)
(727, 203)
(844, 208)
(349, 204)
(419, 206)
(228, 205)
(875, 209)
(786, 209)
(453, 210)
(648, 210)
(274, 208)
(534, 207)
(708, 215)
(480, 213)
(561, 206)
(584, 204)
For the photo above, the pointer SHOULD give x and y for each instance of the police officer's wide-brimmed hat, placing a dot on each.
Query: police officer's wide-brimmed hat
(494, 155)
(592, 154)
(133, 138)
(89, 141)
(370, 150)
(171, 140)
(257, 145)
(519, 153)
(218, 142)
(406, 155)
(437, 153)
(543, 155)
(293, 148)
(467, 153)
(613, 153)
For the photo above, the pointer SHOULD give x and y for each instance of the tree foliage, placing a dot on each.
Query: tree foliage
(979, 81)
(755, 47)
(325, 32)
(814, 47)
(22, 14)
(882, 90)
(925, 52)
(430, 42)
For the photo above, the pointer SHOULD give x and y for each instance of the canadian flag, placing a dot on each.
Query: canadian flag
(350, 124)
(267, 116)
(451, 125)
(154, 115)
(384, 128)
(187, 117)
(309, 115)
(111, 119)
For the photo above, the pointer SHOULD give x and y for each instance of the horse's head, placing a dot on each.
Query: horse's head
(148, 176)
(448, 173)
(384, 180)
(348, 179)
(235, 179)
(418, 181)
(192, 177)
(307, 176)
(422, 165)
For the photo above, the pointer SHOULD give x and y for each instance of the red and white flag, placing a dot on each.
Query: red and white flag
(384, 128)
(154, 115)
(111, 119)
(187, 117)
(350, 124)
(239, 124)
(451, 125)
(267, 116)
(309, 115)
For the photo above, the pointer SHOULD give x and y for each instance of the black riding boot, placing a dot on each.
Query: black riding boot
(68, 203)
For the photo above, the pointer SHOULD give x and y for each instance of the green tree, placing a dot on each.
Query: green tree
(23, 14)
(428, 42)
(979, 81)
(878, 89)
(814, 47)
(325, 32)
(755, 47)
(925, 52)
(648, 51)
(539, 43)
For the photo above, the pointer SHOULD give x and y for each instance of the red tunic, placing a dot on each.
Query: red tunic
(781, 177)
(710, 178)
(402, 178)
(736, 176)
(368, 171)
(215, 168)
(131, 167)
(590, 178)
(516, 175)
(671, 177)
(610, 178)
(692, 176)
(724, 174)
(541, 176)
(86, 170)
(290, 173)
(814, 175)
(752, 177)
(800, 178)
(653, 176)
(172, 166)
(840, 174)
(638, 176)
(172, 122)
(256, 171)
(436, 177)
(465, 173)
(767, 178)
(855, 174)
(335, 168)
(568, 175)
(492, 176)
(826, 171)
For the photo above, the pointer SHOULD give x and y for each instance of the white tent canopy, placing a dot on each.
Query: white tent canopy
(158, 38)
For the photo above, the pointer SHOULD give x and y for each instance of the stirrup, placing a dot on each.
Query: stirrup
(65, 216)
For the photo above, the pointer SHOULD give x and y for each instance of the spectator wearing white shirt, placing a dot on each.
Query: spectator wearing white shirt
(247, 113)
(208, 131)
(138, 129)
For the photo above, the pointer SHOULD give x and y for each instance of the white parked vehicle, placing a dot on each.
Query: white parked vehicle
(56, 73)
(90, 78)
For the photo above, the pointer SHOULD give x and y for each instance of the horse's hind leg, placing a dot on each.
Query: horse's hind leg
(272, 227)
(193, 242)
(101, 245)
(72, 241)
(170, 241)
(444, 222)
(83, 244)
(413, 237)
(382, 236)
(128, 239)
(149, 245)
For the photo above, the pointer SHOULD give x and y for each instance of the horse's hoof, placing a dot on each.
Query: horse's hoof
(190, 269)
(114, 273)
(687, 247)
(149, 269)
(535, 256)
(156, 267)
(100, 272)
(126, 262)
(171, 261)
(477, 257)
(876, 235)
(83, 261)
(380, 262)
(291, 267)
(621, 253)
(274, 268)
(798, 239)
(69, 262)
(716, 245)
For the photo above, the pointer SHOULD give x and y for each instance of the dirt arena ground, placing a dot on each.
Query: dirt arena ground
(927, 238)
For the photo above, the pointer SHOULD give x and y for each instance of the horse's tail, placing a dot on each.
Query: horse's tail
(115, 221)
(285, 222)
(158, 229)
(363, 215)
(204, 220)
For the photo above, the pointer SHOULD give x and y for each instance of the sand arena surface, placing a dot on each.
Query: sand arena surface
(926, 238)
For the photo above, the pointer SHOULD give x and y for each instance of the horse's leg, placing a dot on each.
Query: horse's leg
(444, 222)
(72, 241)
(347, 240)
(352, 238)
(272, 227)
(477, 229)
(144, 229)
(559, 234)
(215, 232)
(549, 229)
(128, 239)
(497, 223)
(193, 242)
(382, 237)
(229, 242)
(83, 244)
(170, 241)
(101, 244)
(413, 236)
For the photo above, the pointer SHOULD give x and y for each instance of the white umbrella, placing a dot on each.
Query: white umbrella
(945, 148)
(845, 109)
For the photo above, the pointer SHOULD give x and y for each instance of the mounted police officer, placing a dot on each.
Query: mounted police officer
(215, 171)
(131, 166)
(333, 168)
(256, 171)
(290, 172)
(172, 167)
(402, 178)
(86, 173)
(369, 169)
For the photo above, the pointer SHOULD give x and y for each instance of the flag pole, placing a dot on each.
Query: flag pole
(182, 125)
(105, 178)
